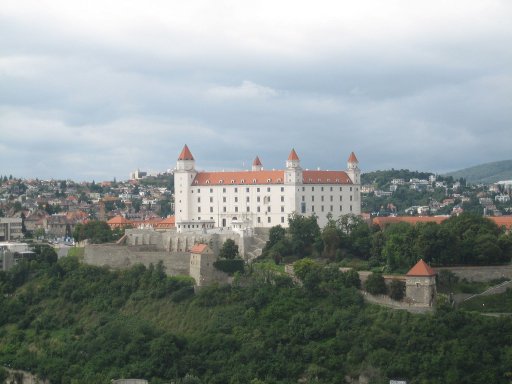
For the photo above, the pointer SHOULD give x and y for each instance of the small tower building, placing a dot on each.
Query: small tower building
(420, 284)
(256, 164)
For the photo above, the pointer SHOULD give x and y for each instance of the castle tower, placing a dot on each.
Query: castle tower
(183, 178)
(420, 284)
(293, 171)
(256, 164)
(353, 170)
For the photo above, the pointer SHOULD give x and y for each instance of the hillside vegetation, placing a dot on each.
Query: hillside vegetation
(73, 323)
(485, 173)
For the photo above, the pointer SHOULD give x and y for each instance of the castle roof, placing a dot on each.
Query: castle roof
(293, 155)
(186, 154)
(168, 222)
(268, 177)
(421, 269)
(199, 248)
(256, 161)
(352, 158)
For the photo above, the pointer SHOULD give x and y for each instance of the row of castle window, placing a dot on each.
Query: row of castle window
(269, 220)
(266, 199)
(248, 209)
(258, 189)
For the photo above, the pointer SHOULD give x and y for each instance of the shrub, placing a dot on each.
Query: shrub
(229, 266)
(397, 290)
(376, 284)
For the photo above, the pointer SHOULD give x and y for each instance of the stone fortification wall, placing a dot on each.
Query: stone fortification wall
(118, 257)
(480, 273)
(172, 241)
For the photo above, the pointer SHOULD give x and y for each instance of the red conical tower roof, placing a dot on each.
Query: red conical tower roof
(293, 155)
(352, 158)
(256, 161)
(421, 269)
(185, 154)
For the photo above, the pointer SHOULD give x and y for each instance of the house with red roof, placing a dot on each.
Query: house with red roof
(259, 197)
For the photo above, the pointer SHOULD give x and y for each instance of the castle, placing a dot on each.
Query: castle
(261, 198)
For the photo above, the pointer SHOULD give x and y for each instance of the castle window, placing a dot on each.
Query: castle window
(196, 182)
(331, 208)
(211, 199)
(322, 188)
(236, 209)
(268, 189)
(350, 208)
(269, 219)
(312, 208)
(242, 181)
(236, 199)
(282, 198)
(322, 208)
(248, 209)
(236, 190)
(198, 190)
(341, 198)
(282, 189)
(269, 180)
(282, 219)
(278, 180)
(350, 197)
(232, 181)
(341, 208)
(224, 199)
(268, 208)
(211, 190)
(303, 189)
(337, 180)
(331, 197)
(247, 199)
(341, 189)
(312, 198)
(258, 209)
(208, 182)
(257, 189)
(254, 181)
(328, 180)
(311, 180)
(331, 189)
(259, 219)
(223, 209)
(312, 188)
(211, 209)
(198, 199)
(221, 181)
(350, 189)
(258, 199)
(319, 180)
(247, 190)
(282, 209)
(322, 198)
(303, 198)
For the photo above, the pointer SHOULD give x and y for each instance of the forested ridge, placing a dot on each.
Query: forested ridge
(74, 323)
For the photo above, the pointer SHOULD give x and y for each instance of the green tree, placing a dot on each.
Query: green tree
(375, 284)
(229, 250)
(304, 232)
(397, 290)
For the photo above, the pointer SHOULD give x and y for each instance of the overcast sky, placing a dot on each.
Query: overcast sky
(95, 89)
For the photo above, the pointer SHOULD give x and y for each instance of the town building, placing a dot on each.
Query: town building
(10, 228)
(420, 284)
(262, 198)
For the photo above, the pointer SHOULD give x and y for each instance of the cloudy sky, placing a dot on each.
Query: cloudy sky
(95, 89)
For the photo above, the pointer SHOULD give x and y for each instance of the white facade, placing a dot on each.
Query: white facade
(263, 198)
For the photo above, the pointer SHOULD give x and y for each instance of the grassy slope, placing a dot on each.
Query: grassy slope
(485, 173)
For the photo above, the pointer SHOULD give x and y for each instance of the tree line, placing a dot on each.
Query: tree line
(467, 239)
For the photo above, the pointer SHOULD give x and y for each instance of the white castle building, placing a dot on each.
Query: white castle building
(261, 198)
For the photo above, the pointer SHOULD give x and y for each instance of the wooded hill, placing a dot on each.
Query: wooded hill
(73, 323)
(487, 173)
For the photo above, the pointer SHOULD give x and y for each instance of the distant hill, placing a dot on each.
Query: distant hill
(485, 173)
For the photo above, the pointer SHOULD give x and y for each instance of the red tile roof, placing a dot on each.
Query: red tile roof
(421, 269)
(185, 154)
(256, 161)
(325, 177)
(383, 221)
(502, 221)
(239, 177)
(352, 158)
(169, 222)
(199, 248)
(118, 220)
(293, 155)
(268, 177)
